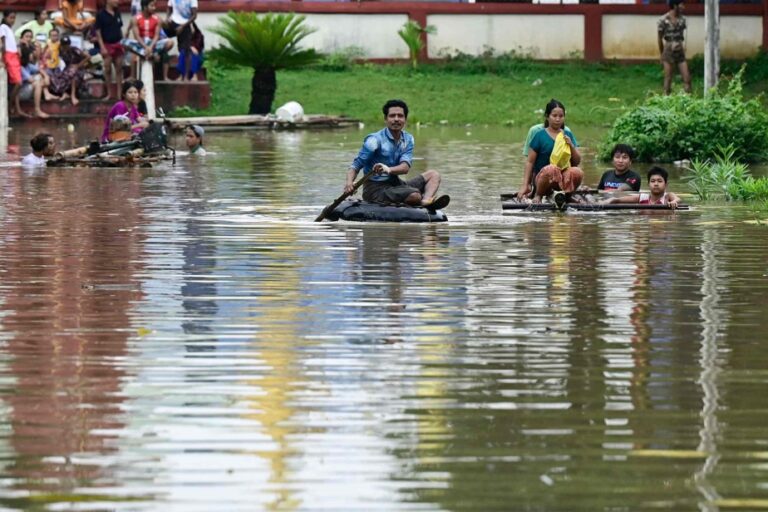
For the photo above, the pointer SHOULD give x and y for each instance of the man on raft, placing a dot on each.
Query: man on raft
(388, 153)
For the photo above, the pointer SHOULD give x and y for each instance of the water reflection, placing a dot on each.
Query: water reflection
(186, 337)
(70, 255)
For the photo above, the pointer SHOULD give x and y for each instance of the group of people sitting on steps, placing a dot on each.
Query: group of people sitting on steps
(52, 57)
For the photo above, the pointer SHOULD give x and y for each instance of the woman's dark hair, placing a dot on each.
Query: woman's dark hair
(623, 148)
(25, 52)
(552, 105)
(658, 171)
(142, 106)
(128, 85)
(674, 3)
(395, 103)
(40, 141)
(7, 13)
(145, 3)
(24, 32)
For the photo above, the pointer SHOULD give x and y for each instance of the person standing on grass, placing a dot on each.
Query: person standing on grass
(181, 15)
(671, 31)
(109, 33)
(388, 154)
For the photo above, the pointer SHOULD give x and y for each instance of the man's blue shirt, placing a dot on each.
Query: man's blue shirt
(381, 148)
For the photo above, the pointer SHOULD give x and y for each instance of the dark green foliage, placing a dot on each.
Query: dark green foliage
(507, 63)
(756, 72)
(342, 60)
(264, 41)
(667, 128)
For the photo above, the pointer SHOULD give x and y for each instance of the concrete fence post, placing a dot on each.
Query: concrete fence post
(3, 97)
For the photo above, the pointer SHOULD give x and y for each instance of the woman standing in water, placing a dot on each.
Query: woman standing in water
(539, 173)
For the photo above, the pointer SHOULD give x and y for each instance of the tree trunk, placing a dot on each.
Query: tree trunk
(263, 86)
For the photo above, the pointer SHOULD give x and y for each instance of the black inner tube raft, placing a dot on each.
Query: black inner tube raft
(363, 211)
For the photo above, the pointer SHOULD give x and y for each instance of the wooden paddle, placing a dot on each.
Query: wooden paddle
(328, 209)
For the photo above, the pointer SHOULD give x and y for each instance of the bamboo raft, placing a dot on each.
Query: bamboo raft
(268, 122)
(119, 157)
(584, 202)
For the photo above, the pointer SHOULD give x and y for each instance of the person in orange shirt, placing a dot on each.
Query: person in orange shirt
(72, 16)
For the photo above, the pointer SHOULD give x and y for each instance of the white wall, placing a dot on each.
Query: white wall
(624, 36)
(528, 34)
(634, 36)
(376, 34)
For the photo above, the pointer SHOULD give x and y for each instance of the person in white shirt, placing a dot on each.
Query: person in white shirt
(181, 15)
(43, 145)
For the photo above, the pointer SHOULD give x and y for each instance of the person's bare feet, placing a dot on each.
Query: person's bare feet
(76, 101)
(47, 96)
(41, 114)
(21, 113)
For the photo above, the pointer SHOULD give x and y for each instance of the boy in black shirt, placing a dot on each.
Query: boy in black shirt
(109, 32)
(621, 177)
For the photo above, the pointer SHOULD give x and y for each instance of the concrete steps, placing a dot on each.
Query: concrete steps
(168, 95)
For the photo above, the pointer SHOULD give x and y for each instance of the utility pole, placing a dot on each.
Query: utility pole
(711, 43)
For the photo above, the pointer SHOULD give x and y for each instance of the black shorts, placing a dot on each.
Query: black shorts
(394, 190)
(183, 37)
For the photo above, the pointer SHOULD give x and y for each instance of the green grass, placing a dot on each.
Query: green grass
(457, 92)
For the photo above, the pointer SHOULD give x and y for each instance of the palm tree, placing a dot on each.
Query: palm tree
(411, 35)
(265, 43)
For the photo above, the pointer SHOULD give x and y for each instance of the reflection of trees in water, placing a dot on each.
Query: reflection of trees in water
(70, 252)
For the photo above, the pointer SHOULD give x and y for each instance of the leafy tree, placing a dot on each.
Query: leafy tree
(265, 43)
(411, 34)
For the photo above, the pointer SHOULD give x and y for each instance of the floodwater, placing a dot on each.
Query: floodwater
(186, 338)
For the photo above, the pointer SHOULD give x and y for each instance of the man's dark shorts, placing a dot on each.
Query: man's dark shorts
(673, 54)
(394, 190)
(183, 36)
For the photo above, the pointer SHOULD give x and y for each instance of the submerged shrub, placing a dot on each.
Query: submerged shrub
(667, 128)
(724, 177)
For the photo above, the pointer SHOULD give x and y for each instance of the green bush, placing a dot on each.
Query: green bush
(508, 63)
(667, 128)
(725, 178)
(341, 60)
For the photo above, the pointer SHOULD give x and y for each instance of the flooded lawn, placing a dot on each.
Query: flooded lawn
(186, 338)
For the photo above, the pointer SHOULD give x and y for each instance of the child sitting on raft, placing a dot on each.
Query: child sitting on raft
(621, 177)
(658, 178)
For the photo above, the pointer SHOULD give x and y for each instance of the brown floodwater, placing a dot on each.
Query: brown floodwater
(186, 338)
